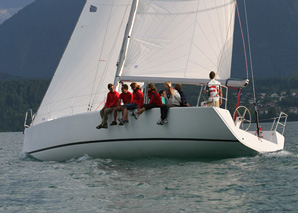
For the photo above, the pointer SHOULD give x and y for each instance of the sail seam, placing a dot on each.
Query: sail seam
(96, 73)
(221, 61)
(192, 39)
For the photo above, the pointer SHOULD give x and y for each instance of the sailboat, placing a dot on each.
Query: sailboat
(145, 41)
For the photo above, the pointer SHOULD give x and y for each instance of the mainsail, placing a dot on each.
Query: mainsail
(89, 61)
(180, 40)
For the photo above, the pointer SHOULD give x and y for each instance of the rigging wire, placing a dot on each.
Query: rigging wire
(251, 70)
(243, 40)
(249, 50)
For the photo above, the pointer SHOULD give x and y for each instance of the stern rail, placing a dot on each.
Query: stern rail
(280, 121)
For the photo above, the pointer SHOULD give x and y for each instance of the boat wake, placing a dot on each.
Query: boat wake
(85, 157)
(27, 157)
(279, 154)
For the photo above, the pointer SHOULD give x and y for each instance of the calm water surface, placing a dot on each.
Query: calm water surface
(264, 183)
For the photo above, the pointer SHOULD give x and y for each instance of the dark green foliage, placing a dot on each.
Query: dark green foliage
(16, 97)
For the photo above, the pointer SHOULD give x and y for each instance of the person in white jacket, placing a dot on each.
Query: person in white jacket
(173, 99)
(213, 87)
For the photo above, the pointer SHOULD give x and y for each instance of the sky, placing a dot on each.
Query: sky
(10, 7)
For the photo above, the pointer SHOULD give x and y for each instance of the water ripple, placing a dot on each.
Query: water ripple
(263, 183)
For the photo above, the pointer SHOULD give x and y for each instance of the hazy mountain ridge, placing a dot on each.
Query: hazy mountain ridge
(10, 7)
(33, 41)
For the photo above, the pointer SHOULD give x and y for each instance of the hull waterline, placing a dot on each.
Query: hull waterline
(190, 133)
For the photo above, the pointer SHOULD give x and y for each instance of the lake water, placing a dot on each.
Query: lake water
(264, 183)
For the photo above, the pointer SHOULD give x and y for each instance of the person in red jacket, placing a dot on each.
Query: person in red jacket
(137, 101)
(111, 103)
(126, 98)
(154, 102)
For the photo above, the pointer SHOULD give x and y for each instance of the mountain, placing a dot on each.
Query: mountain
(33, 41)
(8, 4)
(8, 8)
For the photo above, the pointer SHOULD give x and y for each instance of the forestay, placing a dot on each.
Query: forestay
(89, 61)
(180, 40)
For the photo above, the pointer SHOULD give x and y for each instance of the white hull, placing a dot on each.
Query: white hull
(191, 133)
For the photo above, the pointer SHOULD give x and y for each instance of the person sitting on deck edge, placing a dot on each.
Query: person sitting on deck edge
(126, 98)
(183, 102)
(173, 99)
(154, 102)
(112, 101)
(137, 102)
(162, 96)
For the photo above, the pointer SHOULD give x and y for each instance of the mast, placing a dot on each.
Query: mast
(126, 40)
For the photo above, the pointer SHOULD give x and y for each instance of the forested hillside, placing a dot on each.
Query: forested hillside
(273, 95)
(16, 97)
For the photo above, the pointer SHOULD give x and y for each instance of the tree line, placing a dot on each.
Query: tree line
(17, 96)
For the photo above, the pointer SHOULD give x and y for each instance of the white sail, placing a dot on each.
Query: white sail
(89, 61)
(181, 39)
